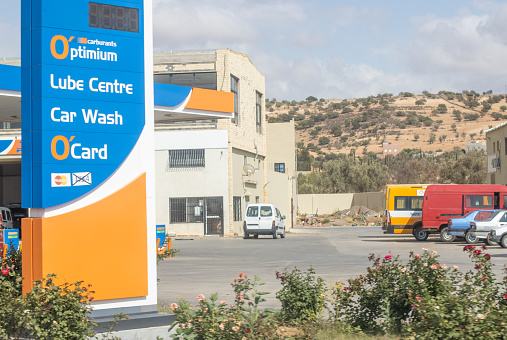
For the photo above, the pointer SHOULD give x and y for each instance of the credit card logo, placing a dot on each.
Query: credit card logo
(60, 180)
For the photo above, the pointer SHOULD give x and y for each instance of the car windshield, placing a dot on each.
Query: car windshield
(483, 215)
(493, 215)
(252, 211)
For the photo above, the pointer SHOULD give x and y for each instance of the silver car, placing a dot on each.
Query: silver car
(499, 235)
(481, 229)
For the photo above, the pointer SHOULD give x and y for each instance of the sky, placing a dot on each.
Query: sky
(335, 49)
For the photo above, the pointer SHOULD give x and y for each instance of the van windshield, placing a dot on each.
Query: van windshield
(266, 211)
(252, 211)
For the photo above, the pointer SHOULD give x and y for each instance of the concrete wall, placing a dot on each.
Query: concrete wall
(326, 204)
(211, 181)
(496, 143)
(280, 193)
(372, 200)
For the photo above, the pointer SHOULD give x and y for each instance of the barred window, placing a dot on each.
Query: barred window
(237, 208)
(186, 210)
(280, 167)
(192, 158)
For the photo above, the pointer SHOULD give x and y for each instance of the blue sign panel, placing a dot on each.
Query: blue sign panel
(83, 95)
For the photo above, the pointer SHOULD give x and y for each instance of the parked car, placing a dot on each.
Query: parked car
(17, 214)
(6, 221)
(499, 235)
(460, 227)
(263, 219)
(481, 229)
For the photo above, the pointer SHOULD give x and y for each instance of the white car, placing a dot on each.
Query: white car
(263, 219)
(499, 235)
(481, 229)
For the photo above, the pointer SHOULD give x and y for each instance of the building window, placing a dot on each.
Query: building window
(235, 90)
(186, 210)
(237, 208)
(192, 158)
(258, 112)
(280, 167)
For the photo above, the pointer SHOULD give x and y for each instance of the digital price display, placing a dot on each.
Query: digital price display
(113, 17)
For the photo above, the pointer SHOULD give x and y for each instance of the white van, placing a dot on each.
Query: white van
(263, 219)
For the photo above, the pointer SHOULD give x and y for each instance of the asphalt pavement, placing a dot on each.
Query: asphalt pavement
(207, 265)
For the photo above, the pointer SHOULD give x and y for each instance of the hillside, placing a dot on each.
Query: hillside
(431, 122)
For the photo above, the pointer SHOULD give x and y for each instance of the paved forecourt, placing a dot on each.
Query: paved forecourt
(210, 264)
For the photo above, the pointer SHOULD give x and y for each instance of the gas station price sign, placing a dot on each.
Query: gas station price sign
(83, 98)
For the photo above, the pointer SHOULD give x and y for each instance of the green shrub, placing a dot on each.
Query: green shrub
(302, 295)
(215, 320)
(58, 311)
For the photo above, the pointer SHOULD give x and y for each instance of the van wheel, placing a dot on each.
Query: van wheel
(445, 236)
(275, 235)
(420, 234)
(282, 235)
(503, 241)
(247, 236)
(256, 235)
(470, 239)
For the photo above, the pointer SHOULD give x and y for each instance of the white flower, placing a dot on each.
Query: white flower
(444, 267)
(403, 270)
(437, 307)
(420, 280)
(480, 316)
(425, 249)
(455, 267)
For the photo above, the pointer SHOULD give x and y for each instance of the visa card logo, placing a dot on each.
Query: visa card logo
(81, 178)
(60, 180)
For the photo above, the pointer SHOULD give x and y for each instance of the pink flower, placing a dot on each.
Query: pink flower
(483, 278)
(418, 297)
(434, 266)
(417, 255)
(174, 306)
(5, 271)
(240, 297)
(200, 297)
(345, 288)
(388, 257)
(505, 296)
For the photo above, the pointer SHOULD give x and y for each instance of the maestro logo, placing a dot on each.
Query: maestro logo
(62, 48)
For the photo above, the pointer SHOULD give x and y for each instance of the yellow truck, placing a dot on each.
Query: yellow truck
(403, 211)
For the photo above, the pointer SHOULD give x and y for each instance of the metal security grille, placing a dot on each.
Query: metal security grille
(237, 208)
(178, 211)
(214, 216)
(192, 158)
(209, 210)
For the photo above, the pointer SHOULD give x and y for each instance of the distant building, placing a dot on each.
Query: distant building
(389, 149)
(496, 144)
(476, 145)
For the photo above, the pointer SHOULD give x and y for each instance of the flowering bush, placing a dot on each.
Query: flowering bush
(302, 294)
(216, 320)
(474, 307)
(48, 311)
(382, 300)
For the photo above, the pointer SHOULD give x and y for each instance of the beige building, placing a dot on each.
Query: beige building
(496, 145)
(245, 151)
(281, 183)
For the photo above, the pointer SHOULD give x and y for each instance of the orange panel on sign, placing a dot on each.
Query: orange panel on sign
(104, 244)
(208, 100)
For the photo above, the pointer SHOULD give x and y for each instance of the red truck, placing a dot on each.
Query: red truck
(445, 201)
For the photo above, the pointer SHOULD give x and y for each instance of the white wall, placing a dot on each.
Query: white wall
(212, 181)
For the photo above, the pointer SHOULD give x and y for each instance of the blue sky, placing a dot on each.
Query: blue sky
(336, 49)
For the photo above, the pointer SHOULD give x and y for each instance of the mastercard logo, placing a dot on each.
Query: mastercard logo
(60, 180)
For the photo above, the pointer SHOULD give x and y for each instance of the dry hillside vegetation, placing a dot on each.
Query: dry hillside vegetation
(430, 122)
